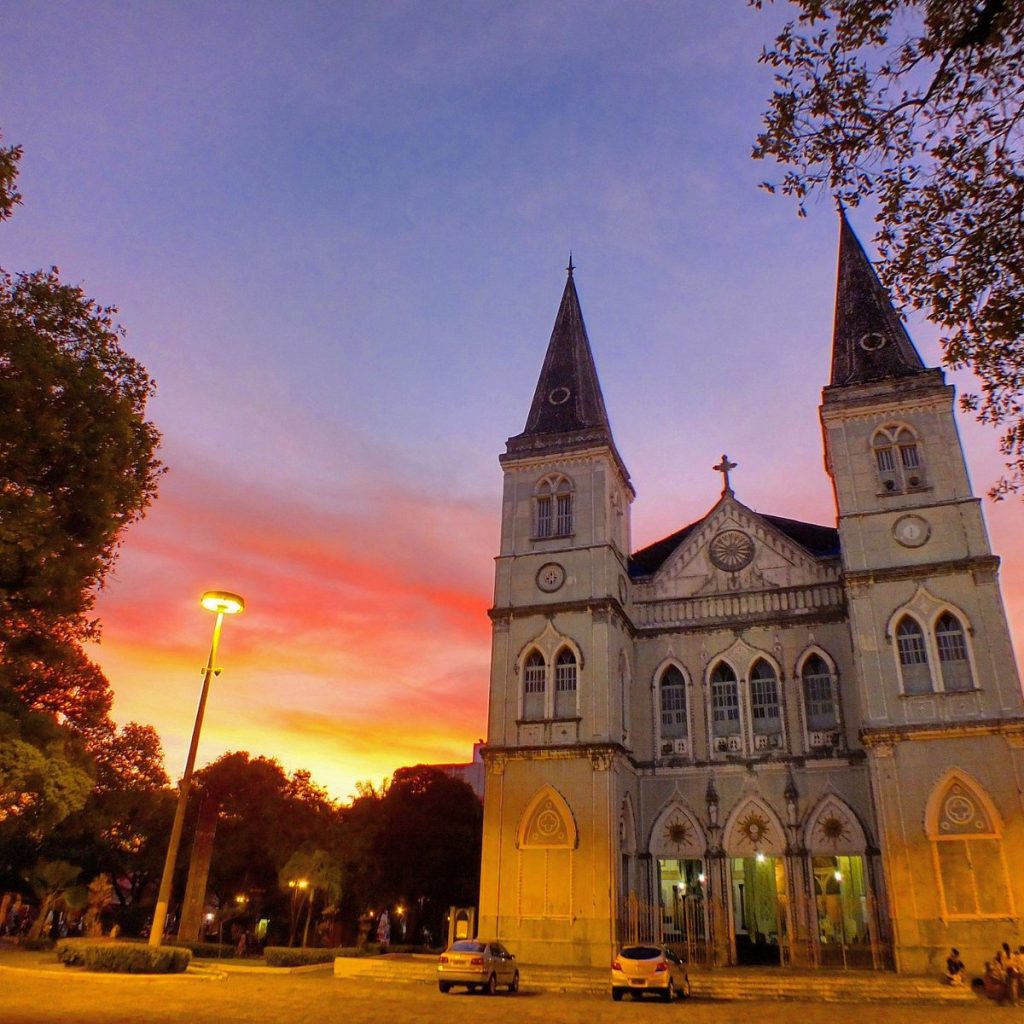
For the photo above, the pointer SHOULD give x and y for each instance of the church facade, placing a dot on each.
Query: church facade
(758, 740)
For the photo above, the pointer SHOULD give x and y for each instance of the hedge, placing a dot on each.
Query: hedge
(123, 958)
(290, 956)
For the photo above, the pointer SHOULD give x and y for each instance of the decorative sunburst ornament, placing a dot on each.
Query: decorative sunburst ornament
(833, 829)
(677, 831)
(754, 828)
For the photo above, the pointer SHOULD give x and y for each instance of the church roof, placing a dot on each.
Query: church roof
(870, 342)
(568, 408)
(820, 541)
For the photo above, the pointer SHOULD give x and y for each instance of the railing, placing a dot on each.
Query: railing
(683, 929)
(783, 600)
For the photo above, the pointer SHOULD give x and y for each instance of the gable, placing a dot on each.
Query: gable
(735, 549)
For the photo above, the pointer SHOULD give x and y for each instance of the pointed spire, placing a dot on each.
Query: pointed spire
(869, 340)
(568, 410)
(568, 395)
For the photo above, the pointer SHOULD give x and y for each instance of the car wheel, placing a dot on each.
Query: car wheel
(513, 985)
(617, 994)
(684, 992)
(670, 992)
(492, 985)
(443, 986)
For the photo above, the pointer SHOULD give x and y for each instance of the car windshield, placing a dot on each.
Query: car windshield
(640, 952)
(465, 946)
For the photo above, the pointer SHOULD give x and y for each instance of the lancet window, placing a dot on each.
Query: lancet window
(673, 704)
(565, 684)
(898, 458)
(553, 508)
(534, 686)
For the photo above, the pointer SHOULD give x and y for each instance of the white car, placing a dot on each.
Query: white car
(477, 965)
(640, 969)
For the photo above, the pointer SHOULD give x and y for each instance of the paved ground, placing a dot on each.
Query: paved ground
(64, 997)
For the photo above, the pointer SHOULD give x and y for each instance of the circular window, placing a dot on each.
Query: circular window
(559, 396)
(872, 342)
(731, 550)
(550, 577)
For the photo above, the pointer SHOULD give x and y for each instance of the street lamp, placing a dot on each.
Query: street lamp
(223, 603)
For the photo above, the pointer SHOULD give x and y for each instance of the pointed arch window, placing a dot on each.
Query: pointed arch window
(970, 863)
(913, 656)
(553, 508)
(898, 458)
(764, 703)
(725, 702)
(673, 704)
(534, 686)
(819, 698)
(952, 647)
(565, 684)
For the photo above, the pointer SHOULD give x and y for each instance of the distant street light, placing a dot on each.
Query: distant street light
(222, 603)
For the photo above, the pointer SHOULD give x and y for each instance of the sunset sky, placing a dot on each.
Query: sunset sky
(336, 233)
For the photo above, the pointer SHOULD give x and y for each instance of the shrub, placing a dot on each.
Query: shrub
(123, 958)
(288, 956)
(208, 950)
(43, 942)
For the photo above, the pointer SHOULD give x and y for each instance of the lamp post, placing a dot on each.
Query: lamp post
(223, 603)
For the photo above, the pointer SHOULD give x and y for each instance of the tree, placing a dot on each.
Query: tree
(49, 881)
(9, 194)
(309, 871)
(916, 105)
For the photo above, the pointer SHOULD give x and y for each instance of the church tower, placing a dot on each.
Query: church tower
(558, 722)
(938, 691)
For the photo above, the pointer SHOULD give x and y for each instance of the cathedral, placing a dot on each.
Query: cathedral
(758, 740)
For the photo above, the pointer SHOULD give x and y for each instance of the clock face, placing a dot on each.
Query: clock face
(731, 550)
(911, 531)
(550, 577)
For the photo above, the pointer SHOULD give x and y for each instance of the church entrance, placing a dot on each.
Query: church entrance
(843, 906)
(758, 909)
(682, 888)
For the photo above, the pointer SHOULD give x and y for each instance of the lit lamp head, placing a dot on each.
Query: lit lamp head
(222, 602)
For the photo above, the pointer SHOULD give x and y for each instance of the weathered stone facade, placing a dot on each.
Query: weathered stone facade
(759, 740)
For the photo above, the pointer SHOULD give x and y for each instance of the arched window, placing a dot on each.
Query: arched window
(534, 686)
(819, 700)
(673, 704)
(725, 709)
(764, 706)
(565, 684)
(897, 458)
(913, 655)
(952, 646)
(552, 508)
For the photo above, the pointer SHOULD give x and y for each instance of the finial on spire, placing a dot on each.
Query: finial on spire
(570, 268)
(723, 467)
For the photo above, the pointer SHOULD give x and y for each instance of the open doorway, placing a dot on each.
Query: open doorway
(758, 908)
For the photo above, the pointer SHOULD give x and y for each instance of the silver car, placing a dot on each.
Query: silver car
(640, 969)
(477, 965)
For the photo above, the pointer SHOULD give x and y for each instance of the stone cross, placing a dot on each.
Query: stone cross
(723, 467)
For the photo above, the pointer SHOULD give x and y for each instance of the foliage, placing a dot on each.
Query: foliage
(209, 950)
(9, 194)
(132, 958)
(49, 880)
(417, 843)
(285, 956)
(44, 773)
(101, 895)
(265, 816)
(322, 874)
(916, 105)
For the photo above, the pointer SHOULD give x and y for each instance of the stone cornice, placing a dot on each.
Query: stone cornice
(610, 605)
(888, 735)
(866, 577)
(602, 752)
(583, 447)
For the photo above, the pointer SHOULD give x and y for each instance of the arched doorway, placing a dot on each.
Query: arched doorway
(843, 902)
(678, 847)
(758, 885)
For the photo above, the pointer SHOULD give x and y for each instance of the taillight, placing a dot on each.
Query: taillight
(477, 961)
(444, 959)
(660, 966)
(616, 966)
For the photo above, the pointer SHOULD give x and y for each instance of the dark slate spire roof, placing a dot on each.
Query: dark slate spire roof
(568, 408)
(870, 342)
(568, 395)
